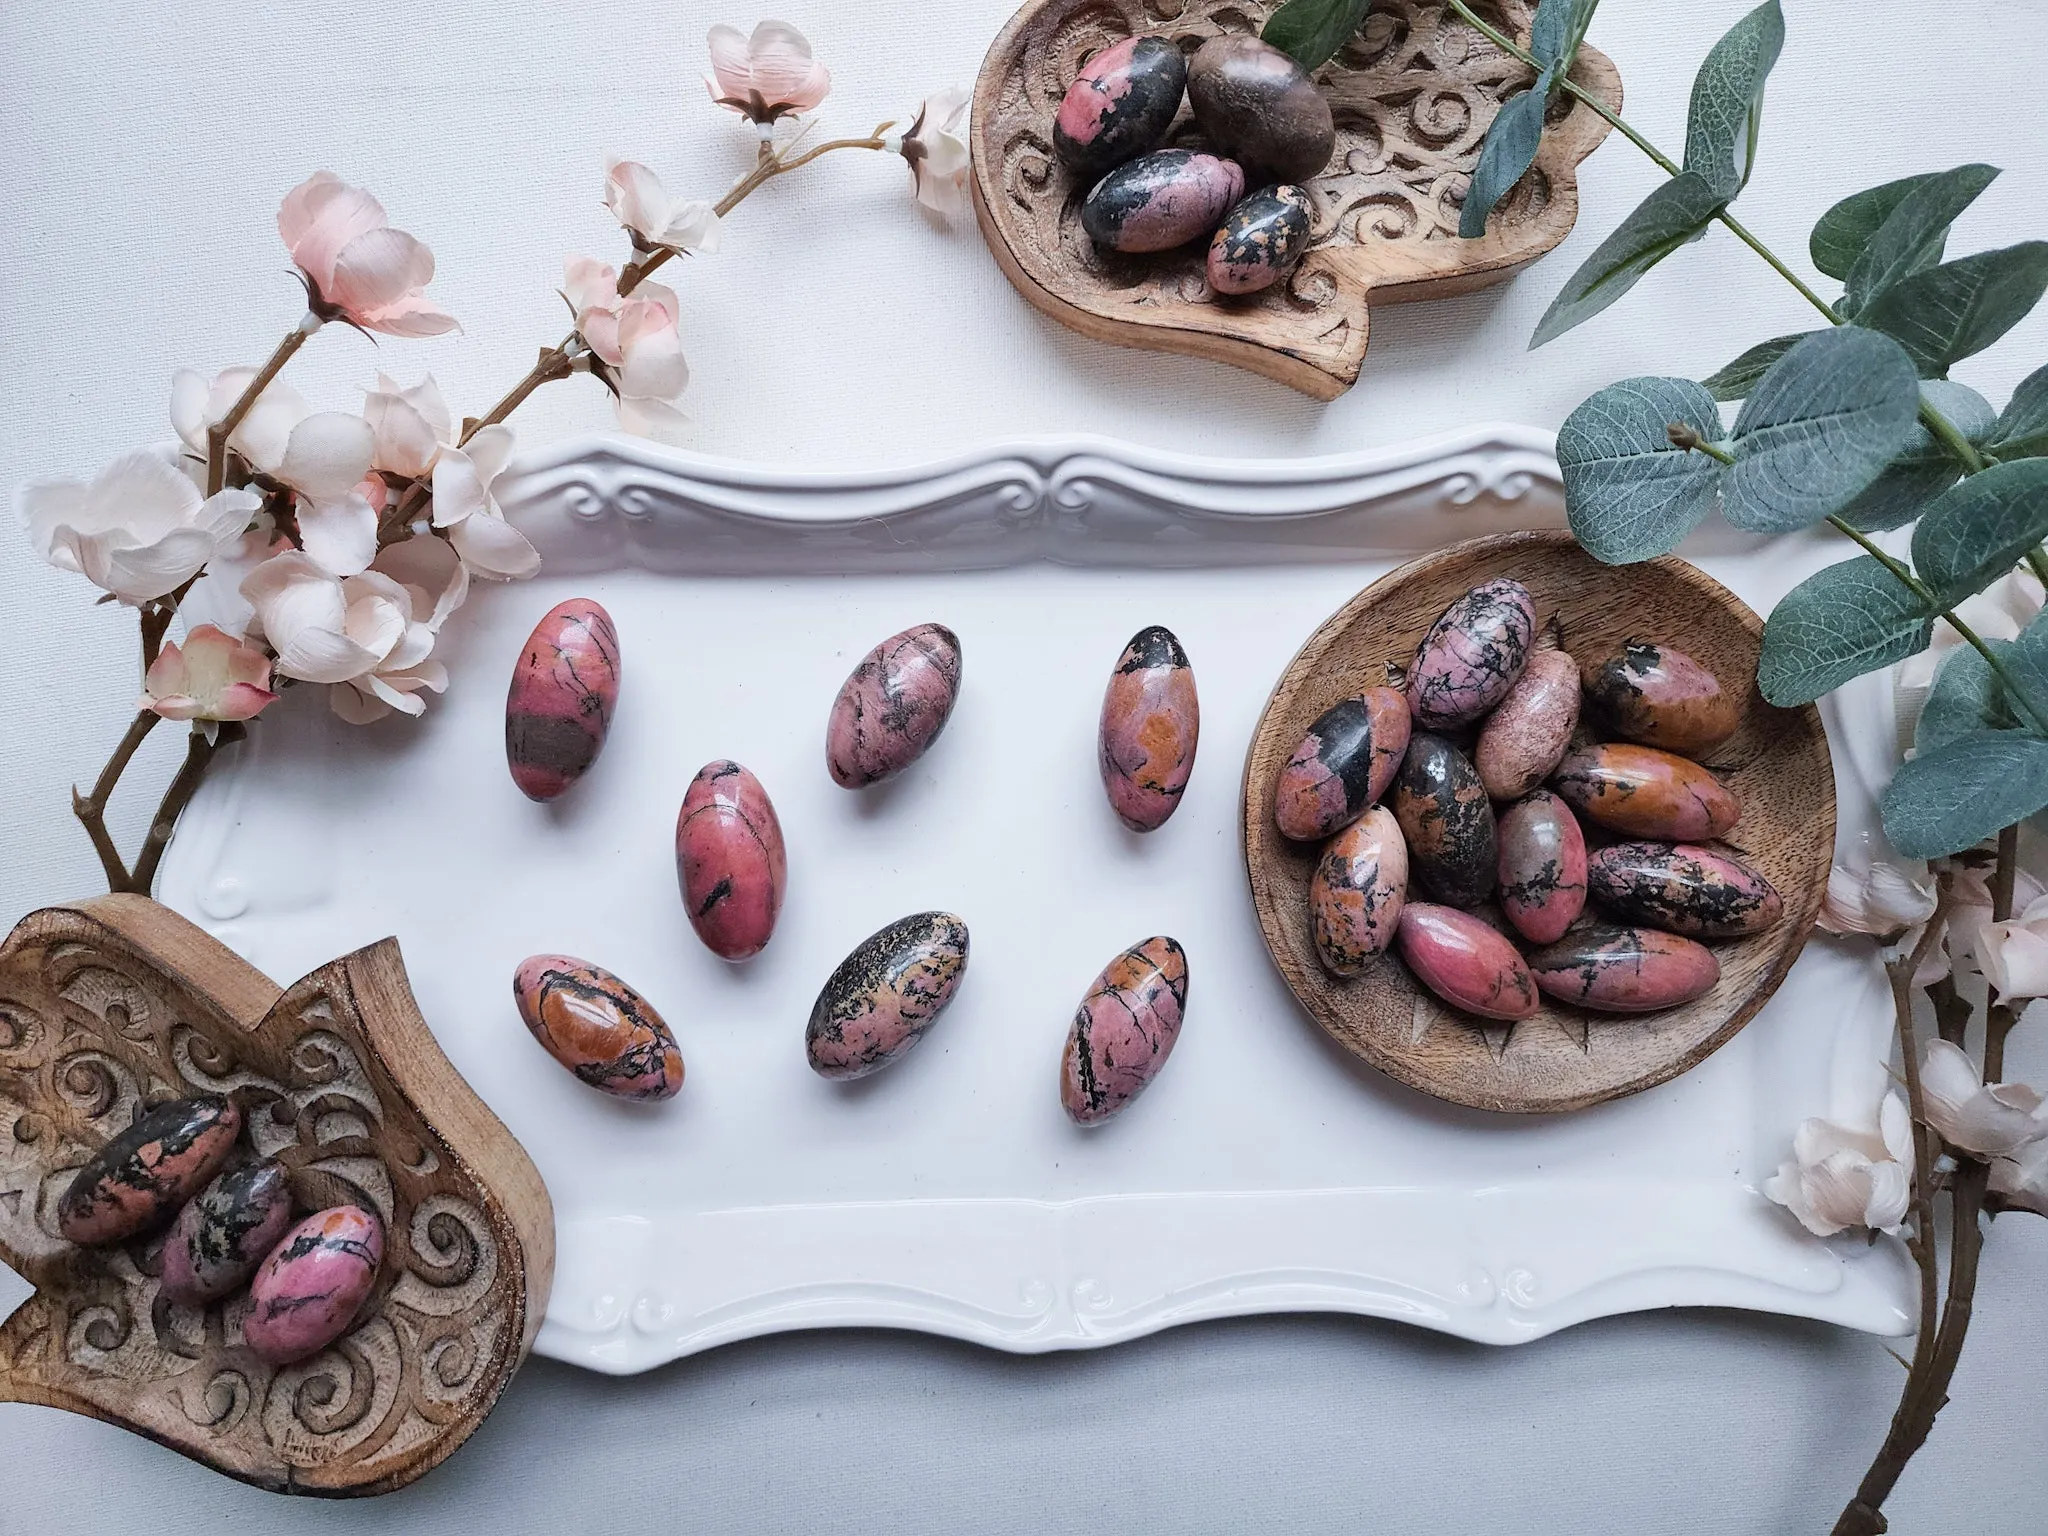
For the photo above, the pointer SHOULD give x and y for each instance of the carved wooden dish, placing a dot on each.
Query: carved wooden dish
(1413, 95)
(118, 1003)
(1563, 1058)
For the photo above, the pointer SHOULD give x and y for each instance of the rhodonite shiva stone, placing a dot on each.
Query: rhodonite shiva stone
(1120, 105)
(1472, 654)
(1661, 697)
(730, 860)
(1453, 848)
(1527, 733)
(222, 1236)
(1684, 888)
(886, 994)
(1261, 240)
(1466, 963)
(1260, 107)
(1151, 721)
(1356, 892)
(1160, 200)
(137, 1181)
(1124, 1030)
(1625, 970)
(1343, 765)
(1644, 792)
(598, 1027)
(893, 706)
(1542, 867)
(564, 689)
(314, 1282)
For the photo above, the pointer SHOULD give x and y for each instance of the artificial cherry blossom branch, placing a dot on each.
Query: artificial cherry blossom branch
(91, 809)
(218, 434)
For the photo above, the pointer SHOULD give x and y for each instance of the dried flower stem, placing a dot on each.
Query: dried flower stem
(218, 434)
(199, 755)
(92, 809)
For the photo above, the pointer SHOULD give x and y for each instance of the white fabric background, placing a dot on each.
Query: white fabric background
(142, 152)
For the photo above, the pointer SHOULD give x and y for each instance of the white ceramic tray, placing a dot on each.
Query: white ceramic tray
(1266, 1171)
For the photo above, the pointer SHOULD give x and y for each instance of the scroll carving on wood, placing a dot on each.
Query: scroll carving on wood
(114, 1005)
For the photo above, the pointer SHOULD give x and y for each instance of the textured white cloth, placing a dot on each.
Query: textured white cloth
(146, 148)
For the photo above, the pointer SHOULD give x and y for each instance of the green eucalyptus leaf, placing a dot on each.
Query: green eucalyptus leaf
(1914, 233)
(1845, 229)
(2026, 662)
(1629, 491)
(1560, 26)
(1735, 381)
(1956, 310)
(2021, 431)
(1964, 791)
(1728, 99)
(1980, 528)
(1965, 697)
(1311, 31)
(1819, 427)
(1676, 214)
(1841, 622)
(1509, 151)
(1924, 468)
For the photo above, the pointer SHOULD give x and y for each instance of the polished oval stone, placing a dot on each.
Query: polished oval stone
(1683, 888)
(1120, 105)
(1659, 696)
(316, 1279)
(1160, 200)
(223, 1234)
(1260, 107)
(730, 860)
(893, 706)
(565, 687)
(1356, 891)
(1453, 847)
(1343, 765)
(1645, 792)
(1625, 970)
(1124, 1030)
(1472, 654)
(1542, 867)
(137, 1181)
(1260, 240)
(1529, 730)
(1464, 962)
(886, 994)
(1151, 721)
(598, 1027)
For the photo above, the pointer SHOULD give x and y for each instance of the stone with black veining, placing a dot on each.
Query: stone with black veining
(565, 687)
(315, 1281)
(1151, 722)
(1453, 847)
(1472, 654)
(1124, 1030)
(886, 995)
(1467, 964)
(1120, 105)
(1645, 792)
(1160, 200)
(598, 1027)
(1542, 867)
(1529, 731)
(730, 860)
(1260, 240)
(893, 706)
(1260, 107)
(1659, 696)
(225, 1232)
(1343, 765)
(1617, 969)
(1355, 894)
(1701, 892)
(137, 1182)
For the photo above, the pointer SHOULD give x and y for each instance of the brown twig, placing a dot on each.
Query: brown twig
(218, 434)
(92, 809)
(199, 755)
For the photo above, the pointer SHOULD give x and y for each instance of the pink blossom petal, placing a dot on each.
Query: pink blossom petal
(341, 535)
(493, 548)
(731, 67)
(654, 367)
(327, 454)
(781, 67)
(655, 419)
(319, 219)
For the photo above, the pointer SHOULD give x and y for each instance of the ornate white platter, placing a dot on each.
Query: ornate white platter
(1264, 1172)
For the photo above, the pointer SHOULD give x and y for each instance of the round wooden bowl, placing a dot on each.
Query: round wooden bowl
(1563, 1058)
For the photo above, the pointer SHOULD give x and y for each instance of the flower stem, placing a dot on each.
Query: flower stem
(91, 809)
(218, 434)
(1921, 1244)
(199, 755)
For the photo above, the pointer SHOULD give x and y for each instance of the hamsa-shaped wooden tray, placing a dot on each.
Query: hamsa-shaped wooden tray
(1413, 95)
(118, 1003)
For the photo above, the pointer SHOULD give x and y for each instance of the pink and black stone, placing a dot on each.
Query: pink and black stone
(1617, 969)
(1151, 723)
(1343, 765)
(893, 706)
(1472, 654)
(598, 1027)
(1120, 105)
(1683, 888)
(1124, 1030)
(730, 861)
(1261, 240)
(1356, 892)
(1542, 867)
(1444, 812)
(138, 1181)
(565, 686)
(886, 994)
(1467, 964)
(309, 1290)
(222, 1236)
(1160, 200)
